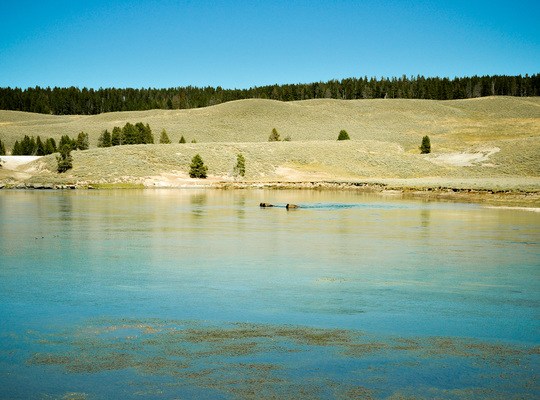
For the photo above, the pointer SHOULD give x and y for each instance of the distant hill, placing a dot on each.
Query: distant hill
(452, 124)
(491, 142)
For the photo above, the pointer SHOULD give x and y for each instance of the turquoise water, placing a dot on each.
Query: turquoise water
(201, 293)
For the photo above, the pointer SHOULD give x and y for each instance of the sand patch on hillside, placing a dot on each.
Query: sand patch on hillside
(179, 179)
(13, 162)
(465, 159)
(292, 175)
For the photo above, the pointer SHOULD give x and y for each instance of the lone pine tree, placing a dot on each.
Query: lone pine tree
(425, 147)
(197, 168)
(343, 135)
(164, 138)
(240, 167)
(274, 136)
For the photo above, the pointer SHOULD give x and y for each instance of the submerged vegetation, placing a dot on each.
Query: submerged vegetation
(259, 360)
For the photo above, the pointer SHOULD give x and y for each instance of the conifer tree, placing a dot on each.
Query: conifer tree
(16, 150)
(164, 138)
(117, 138)
(27, 146)
(50, 146)
(40, 147)
(65, 140)
(274, 136)
(425, 147)
(130, 134)
(343, 135)
(105, 139)
(197, 168)
(65, 160)
(83, 141)
(240, 167)
(182, 139)
(2, 149)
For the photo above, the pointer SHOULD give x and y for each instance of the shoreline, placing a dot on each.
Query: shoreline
(501, 197)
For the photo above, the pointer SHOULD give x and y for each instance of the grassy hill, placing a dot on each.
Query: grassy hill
(489, 141)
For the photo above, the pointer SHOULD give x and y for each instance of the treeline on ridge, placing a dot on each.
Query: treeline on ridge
(72, 100)
(30, 146)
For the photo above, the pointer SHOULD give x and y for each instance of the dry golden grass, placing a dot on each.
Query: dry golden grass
(384, 147)
(394, 120)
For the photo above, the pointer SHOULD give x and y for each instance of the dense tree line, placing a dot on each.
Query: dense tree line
(129, 134)
(65, 101)
(30, 146)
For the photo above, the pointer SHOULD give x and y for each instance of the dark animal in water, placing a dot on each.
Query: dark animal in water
(291, 206)
(265, 205)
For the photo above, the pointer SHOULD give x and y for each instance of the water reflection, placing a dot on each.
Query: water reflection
(65, 207)
(198, 202)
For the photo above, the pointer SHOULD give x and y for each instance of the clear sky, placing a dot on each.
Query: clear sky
(238, 44)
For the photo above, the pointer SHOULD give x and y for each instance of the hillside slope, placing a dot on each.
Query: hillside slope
(485, 143)
(399, 121)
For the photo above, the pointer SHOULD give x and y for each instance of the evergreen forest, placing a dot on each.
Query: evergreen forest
(72, 100)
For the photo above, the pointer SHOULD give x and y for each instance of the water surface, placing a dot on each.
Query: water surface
(201, 293)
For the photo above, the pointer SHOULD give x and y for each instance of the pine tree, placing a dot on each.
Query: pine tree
(425, 147)
(343, 135)
(104, 139)
(130, 134)
(164, 138)
(2, 149)
(240, 167)
(16, 150)
(65, 160)
(65, 140)
(40, 147)
(182, 140)
(28, 146)
(83, 141)
(50, 146)
(117, 138)
(197, 168)
(274, 136)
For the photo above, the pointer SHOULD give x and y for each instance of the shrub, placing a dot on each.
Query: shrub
(343, 135)
(425, 147)
(197, 168)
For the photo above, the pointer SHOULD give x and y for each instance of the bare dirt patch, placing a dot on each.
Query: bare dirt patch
(466, 158)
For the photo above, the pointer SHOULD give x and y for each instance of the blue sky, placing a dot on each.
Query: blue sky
(238, 44)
